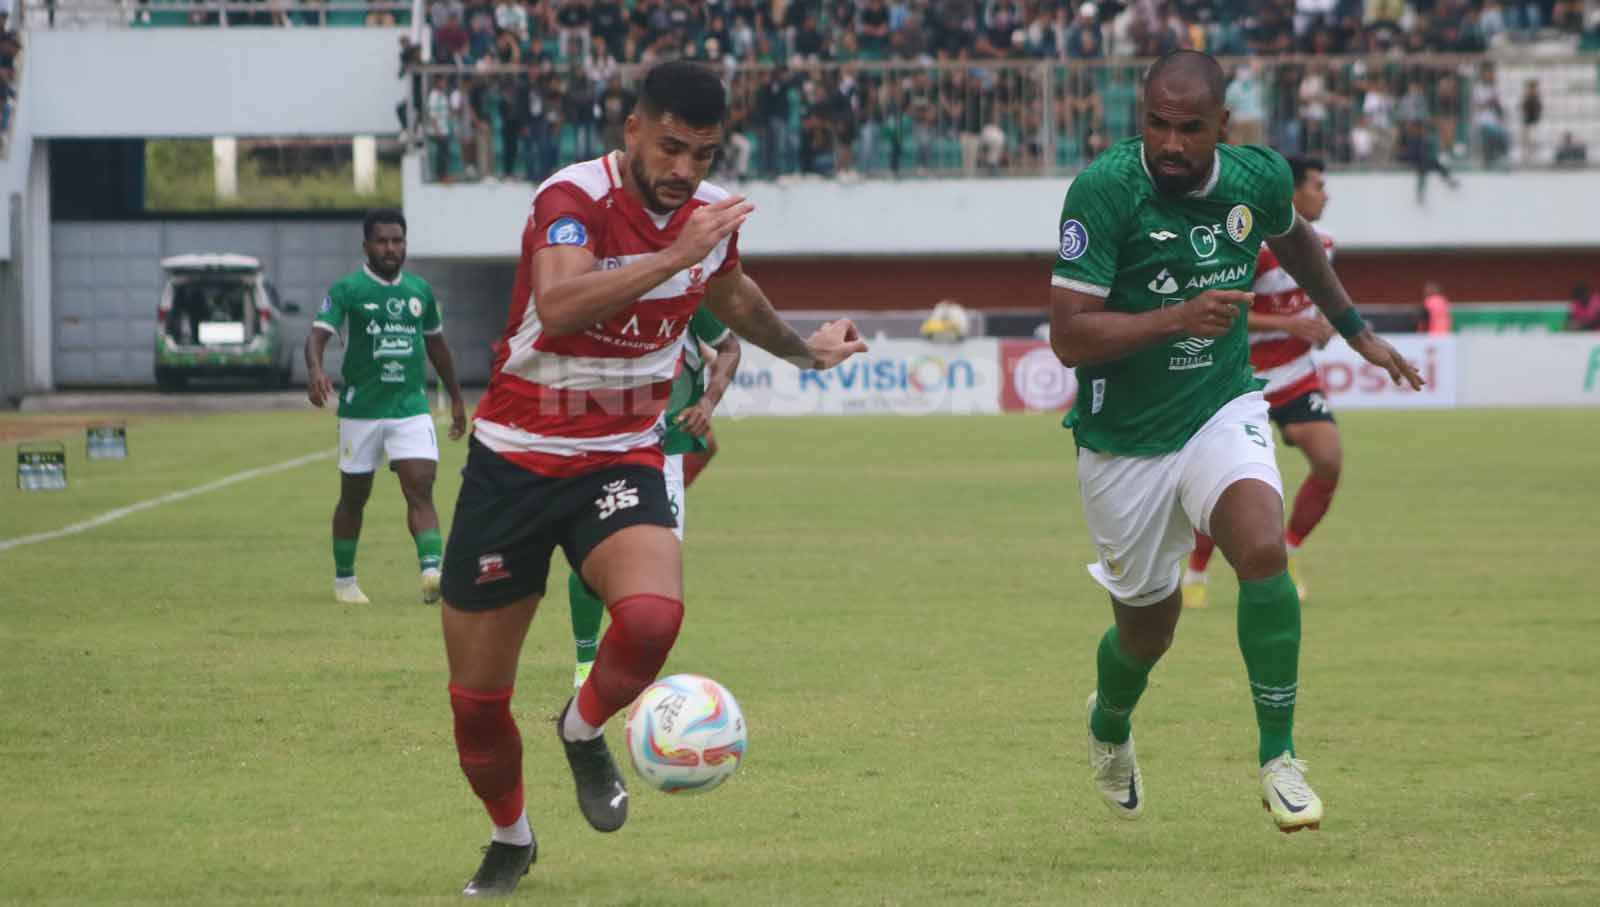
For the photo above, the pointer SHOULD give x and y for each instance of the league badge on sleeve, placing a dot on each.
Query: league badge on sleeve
(566, 231)
(327, 305)
(1074, 240)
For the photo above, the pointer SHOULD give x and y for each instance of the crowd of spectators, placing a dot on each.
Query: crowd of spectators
(836, 87)
(10, 49)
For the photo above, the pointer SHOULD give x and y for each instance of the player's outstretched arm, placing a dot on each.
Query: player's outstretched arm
(445, 365)
(570, 295)
(1301, 254)
(738, 302)
(1082, 332)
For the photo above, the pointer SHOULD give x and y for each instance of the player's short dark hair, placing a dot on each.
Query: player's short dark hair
(1189, 66)
(1301, 167)
(381, 216)
(689, 91)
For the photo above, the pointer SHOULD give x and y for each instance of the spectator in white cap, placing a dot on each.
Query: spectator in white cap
(1084, 39)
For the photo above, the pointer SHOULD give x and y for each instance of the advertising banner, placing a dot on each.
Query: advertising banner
(1530, 370)
(1351, 383)
(1034, 379)
(896, 377)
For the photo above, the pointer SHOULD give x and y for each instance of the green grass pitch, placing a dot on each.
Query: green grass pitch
(901, 607)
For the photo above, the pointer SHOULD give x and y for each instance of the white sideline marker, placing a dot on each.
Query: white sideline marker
(112, 516)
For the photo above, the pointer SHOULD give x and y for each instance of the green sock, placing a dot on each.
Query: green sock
(344, 556)
(430, 548)
(587, 610)
(1122, 679)
(1269, 637)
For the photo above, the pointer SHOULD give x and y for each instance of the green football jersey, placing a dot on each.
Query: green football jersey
(690, 384)
(1140, 250)
(385, 362)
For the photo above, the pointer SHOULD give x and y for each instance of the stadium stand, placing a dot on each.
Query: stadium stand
(961, 87)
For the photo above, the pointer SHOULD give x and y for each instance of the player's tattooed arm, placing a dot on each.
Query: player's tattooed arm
(1301, 253)
(738, 302)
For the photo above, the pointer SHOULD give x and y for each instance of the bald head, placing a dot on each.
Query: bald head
(1184, 119)
(1187, 73)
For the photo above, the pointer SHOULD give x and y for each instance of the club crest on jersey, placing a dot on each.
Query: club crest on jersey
(1074, 240)
(566, 231)
(491, 568)
(1240, 220)
(696, 276)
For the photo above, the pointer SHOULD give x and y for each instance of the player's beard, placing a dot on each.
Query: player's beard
(648, 189)
(383, 268)
(1174, 183)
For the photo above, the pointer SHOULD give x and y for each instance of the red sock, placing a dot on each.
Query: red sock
(643, 628)
(1201, 555)
(490, 749)
(1310, 503)
(693, 465)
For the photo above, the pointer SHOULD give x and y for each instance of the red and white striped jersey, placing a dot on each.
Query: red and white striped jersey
(1284, 361)
(563, 406)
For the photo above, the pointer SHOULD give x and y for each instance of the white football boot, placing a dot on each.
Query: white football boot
(1287, 796)
(1116, 772)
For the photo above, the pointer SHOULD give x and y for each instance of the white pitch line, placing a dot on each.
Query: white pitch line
(112, 516)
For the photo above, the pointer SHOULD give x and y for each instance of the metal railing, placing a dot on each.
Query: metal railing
(905, 120)
(71, 14)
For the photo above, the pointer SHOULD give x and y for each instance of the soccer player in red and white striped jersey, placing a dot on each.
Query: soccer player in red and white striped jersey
(616, 256)
(1285, 328)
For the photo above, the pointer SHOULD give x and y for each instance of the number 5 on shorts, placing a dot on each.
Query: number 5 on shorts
(1255, 435)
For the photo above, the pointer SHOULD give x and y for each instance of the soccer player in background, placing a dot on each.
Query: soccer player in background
(393, 323)
(617, 255)
(1158, 245)
(688, 444)
(1285, 326)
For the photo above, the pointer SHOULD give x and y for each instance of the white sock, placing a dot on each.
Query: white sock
(574, 728)
(1194, 576)
(1292, 549)
(518, 835)
(343, 581)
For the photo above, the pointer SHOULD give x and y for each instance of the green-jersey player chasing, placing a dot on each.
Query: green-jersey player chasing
(1158, 246)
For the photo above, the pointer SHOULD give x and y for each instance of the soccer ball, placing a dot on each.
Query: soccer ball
(686, 733)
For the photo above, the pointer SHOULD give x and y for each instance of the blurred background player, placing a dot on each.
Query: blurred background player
(1285, 326)
(1159, 237)
(688, 444)
(393, 322)
(617, 255)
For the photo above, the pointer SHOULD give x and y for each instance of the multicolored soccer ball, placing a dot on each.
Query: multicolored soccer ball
(686, 733)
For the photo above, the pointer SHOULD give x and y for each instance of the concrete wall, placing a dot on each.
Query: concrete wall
(203, 82)
(1372, 212)
(106, 282)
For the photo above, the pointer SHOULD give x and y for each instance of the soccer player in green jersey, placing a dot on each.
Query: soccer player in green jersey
(393, 322)
(696, 391)
(1158, 245)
